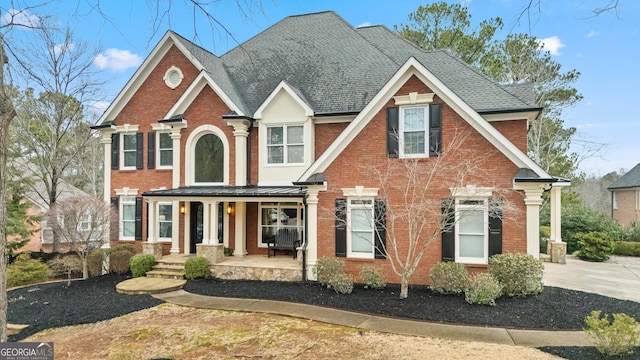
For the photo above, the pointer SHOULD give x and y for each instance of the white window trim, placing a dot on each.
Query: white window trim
(167, 77)
(122, 150)
(159, 151)
(485, 227)
(190, 147)
(401, 132)
(285, 144)
(158, 221)
(615, 200)
(131, 200)
(280, 206)
(370, 206)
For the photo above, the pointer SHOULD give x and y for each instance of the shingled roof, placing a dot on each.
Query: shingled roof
(337, 68)
(629, 180)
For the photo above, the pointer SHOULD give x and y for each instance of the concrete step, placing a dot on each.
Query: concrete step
(160, 274)
(165, 267)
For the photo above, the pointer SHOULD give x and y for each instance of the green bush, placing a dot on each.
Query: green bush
(449, 278)
(341, 283)
(26, 271)
(627, 248)
(120, 257)
(595, 246)
(95, 261)
(518, 274)
(372, 278)
(483, 289)
(141, 264)
(613, 338)
(196, 267)
(328, 268)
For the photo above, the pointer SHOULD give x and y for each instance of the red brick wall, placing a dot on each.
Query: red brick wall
(627, 212)
(515, 131)
(368, 150)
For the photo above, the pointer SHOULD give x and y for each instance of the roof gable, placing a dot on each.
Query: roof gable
(295, 95)
(629, 180)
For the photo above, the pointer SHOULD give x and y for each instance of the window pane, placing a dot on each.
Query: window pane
(414, 119)
(165, 141)
(295, 154)
(274, 136)
(165, 212)
(166, 157)
(128, 229)
(130, 158)
(129, 141)
(209, 159)
(414, 142)
(165, 229)
(128, 212)
(361, 220)
(472, 246)
(269, 216)
(472, 222)
(295, 134)
(362, 242)
(275, 155)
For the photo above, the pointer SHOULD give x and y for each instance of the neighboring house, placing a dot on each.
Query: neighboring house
(269, 136)
(625, 197)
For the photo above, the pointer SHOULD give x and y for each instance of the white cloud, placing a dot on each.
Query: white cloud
(552, 45)
(58, 49)
(592, 33)
(364, 24)
(20, 17)
(99, 106)
(116, 60)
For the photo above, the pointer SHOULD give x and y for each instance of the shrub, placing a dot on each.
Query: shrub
(595, 246)
(483, 289)
(141, 264)
(65, 265)
(613, 338)
(518, 274)
(328, 268)
(227, 251)
(342, 283)
(95, 261)
(120, 257)
(372, 278)
(449, 278)
(26, 271)
(196, 267)
(627, 248)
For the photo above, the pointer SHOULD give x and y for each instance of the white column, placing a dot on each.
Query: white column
(106, 194)
(241, 133)
(206, 222)
(225, 221)
(214, 223)
(152, 235)
(175, 137)
(533, 200)
(175, 227)
(241, 235)
(312, 230)
(186, 229)
(556, 218)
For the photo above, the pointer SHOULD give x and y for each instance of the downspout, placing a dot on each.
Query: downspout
(305, 240)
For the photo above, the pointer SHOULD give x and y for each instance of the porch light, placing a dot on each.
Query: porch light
(182, 209)
(229, 209)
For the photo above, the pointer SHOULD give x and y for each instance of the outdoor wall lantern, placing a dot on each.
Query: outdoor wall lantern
(182, 209)
(229, 208)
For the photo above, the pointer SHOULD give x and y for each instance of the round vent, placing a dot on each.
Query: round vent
(173, 77)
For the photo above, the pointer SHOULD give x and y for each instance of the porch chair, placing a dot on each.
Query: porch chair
(285, 239)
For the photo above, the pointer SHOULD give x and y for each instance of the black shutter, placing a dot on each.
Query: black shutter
(115, 150)
(435, 129)
(392, 132)
(151, 150)
(138, 235)
(341, 227)
(114, 231)
(495, 229)
(380, 214)
(448, 231)
(139, 150)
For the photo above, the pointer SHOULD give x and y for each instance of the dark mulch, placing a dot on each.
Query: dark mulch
(87, 301)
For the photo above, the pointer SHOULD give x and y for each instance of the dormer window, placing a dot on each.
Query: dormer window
(285, 144)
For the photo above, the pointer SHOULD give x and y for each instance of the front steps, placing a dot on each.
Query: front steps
(168, 268)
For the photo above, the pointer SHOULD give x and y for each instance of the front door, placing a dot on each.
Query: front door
(197, 225)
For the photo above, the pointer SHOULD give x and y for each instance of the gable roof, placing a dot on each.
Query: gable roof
(629, 180)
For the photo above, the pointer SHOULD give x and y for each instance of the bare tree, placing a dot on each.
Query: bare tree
(82, 224)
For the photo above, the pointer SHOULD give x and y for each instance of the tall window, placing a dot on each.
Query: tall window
(285, 144)
(165, 150)
(209, 160)
(165, 214)
(472, 231)
(128, 217)
(129, 148)
(361, 228)
(414, 127)
(614, 194)
(276, 216)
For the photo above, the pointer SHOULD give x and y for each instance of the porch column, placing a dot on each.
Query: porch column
(152, 234)
(175, 227)
(241, 234)
(556, 224)
(241, 133)
(312, 230)
(106, 194)
(225, 223)
(206, 222)
(214, 223)
(533, 200)
(175, 137)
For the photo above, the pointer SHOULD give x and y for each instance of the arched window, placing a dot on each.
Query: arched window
(209, 160)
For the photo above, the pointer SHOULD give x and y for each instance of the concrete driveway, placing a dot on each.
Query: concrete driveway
(618, 277)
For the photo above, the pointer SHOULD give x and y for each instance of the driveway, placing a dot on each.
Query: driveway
(618, 277)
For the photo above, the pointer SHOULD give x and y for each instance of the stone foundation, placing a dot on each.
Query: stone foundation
(152, 248)
(558, 252)
(254, 273)
(212, 252)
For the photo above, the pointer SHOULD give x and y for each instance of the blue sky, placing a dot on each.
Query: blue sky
(604, 49)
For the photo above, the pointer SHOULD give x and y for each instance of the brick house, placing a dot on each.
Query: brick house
(205, 151)
(625, 197)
